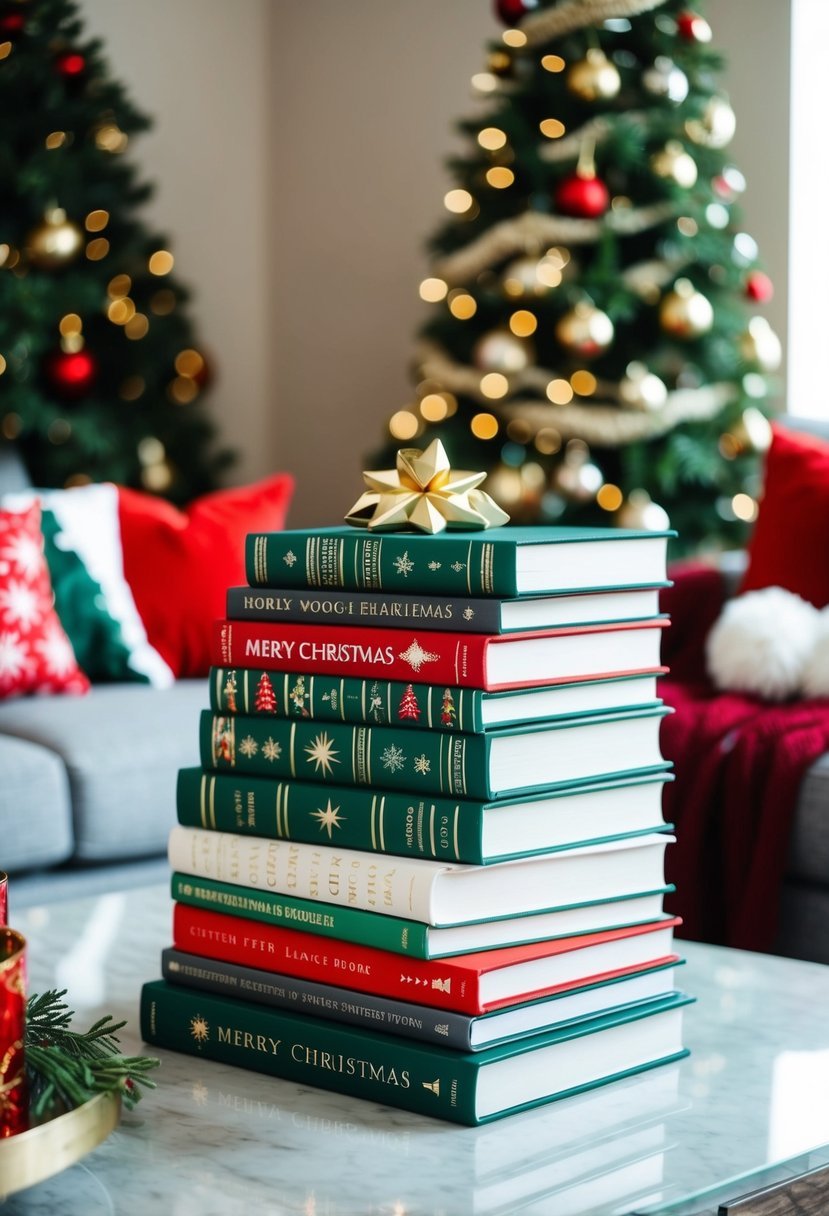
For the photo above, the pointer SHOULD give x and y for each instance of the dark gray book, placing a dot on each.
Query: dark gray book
(458, 614)
(438, 1026)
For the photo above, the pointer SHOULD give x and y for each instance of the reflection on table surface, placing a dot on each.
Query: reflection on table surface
(213, 1139)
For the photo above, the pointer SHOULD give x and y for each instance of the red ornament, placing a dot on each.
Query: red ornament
(693, 28)
(511, 11)
(583, 196)
(71, 373)
(12, 26)
(759, 286)
(70, 64)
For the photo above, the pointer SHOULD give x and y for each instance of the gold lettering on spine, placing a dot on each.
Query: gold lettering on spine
(455, 834)
(292, 749)
(457, 662)
(448, 762)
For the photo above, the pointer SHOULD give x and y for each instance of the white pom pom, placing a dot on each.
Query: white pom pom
(816, 675)
(762, 644)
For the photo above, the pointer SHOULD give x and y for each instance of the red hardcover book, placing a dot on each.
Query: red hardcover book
(467, 983)
(473, 660)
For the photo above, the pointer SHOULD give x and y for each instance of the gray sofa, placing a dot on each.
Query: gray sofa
(87, 784)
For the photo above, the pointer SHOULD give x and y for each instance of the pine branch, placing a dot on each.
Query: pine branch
(72, 1066)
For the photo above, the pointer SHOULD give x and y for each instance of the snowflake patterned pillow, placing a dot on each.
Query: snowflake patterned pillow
(35, 653)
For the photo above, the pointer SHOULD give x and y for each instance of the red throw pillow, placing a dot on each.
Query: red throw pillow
(35, 653)
(790, 543)
(180, 563)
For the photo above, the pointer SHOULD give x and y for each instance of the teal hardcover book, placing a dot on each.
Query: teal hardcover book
(413, 825)
(495, 562)
(463, 1087)
(512, 761)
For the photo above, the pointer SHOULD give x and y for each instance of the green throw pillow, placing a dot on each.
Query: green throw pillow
(96, 636)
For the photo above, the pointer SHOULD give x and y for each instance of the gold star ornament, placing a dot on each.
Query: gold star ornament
(423, 493)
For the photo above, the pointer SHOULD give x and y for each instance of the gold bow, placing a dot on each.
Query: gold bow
(424, 493)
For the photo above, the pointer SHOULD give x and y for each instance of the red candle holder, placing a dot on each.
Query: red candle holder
(14, 1099)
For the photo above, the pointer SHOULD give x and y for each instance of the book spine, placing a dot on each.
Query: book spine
(446, 658)
(310, 1051)
(435, 982)
(399, 887)
(365, 608)
(327, 920)
(439, 1027)
(430, 762)
(360, 561)
(252, 690)
(378, 821)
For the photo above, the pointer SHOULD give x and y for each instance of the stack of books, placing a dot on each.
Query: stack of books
(422, 861)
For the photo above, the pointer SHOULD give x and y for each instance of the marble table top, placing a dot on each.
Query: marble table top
(217, 1141)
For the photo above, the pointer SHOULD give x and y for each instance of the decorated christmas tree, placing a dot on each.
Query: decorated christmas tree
(265, 702)
(408, 707)
(596, 339)
(100, 375)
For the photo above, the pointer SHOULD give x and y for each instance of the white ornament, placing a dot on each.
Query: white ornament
(762, 644)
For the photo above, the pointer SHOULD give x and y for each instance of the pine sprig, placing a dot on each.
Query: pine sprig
(71, 1066)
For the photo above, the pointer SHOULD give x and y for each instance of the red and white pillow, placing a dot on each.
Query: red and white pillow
(163, 574)
(36, 656)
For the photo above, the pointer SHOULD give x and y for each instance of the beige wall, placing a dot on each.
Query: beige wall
(199, 68)
(299, 153)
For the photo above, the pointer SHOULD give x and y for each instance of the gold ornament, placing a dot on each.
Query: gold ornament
(424, 494)
(55, 242)
(751, 432)
(641, 389)
(761, 345)
(501, 351)
(685, 312)
(639, 512)
(665, 79)
(521, 278)
(594, 78)
(716, 127)
(675, 164)
(585, 330)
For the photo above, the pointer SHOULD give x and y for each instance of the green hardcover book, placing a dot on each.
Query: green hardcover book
(406, 824)
(498, 561)
(276, 694)
(412, 937)
(514, 760)
(462, 1087)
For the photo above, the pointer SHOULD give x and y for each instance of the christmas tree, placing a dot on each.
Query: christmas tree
(408, 707)
(596, 340)
(100, 375)
(265, 702)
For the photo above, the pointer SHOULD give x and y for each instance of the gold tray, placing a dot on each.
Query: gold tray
(55, 1144)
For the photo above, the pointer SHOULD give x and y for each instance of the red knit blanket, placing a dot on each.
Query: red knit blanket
(739, 765)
